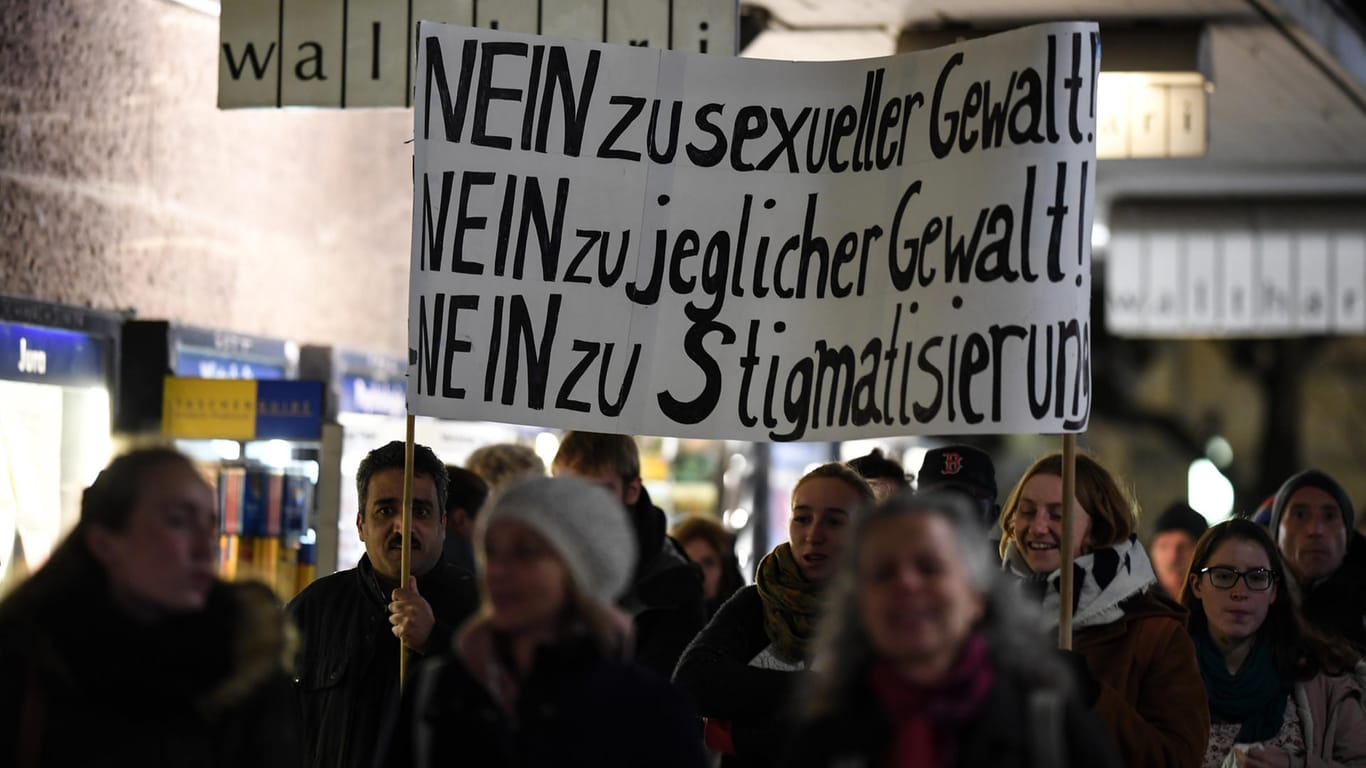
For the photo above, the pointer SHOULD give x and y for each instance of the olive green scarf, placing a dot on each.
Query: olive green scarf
(791, 602)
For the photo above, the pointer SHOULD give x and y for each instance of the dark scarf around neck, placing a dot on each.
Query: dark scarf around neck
(927, 719)
(1255, 696)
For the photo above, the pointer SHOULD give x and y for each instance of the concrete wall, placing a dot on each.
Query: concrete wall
(122, 186)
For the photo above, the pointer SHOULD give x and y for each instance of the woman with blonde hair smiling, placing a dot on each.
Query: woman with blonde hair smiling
(1133, 660)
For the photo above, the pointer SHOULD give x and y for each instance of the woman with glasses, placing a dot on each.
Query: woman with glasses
(1277, 693)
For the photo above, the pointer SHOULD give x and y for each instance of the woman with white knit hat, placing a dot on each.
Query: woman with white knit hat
(540, 676)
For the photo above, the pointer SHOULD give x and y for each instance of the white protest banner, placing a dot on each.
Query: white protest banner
(652, 242)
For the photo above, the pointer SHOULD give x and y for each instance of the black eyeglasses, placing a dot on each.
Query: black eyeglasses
(1223, 577)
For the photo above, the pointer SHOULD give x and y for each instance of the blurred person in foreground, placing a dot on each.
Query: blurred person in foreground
(125, 648)
(925, 660)
(1312, 523)
(1279, 694)
(1133, 661)
(541, 676)
(354, 620)
(712, 547)
(743, 668)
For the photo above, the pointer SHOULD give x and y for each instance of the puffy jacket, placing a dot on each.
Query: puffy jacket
(83, 684)
(347, 677)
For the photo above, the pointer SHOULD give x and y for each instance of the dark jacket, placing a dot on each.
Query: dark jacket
(1006, 734)
(715, 671)
(83, 684)
(665, 601)
(1337, 604)
(1151, 696)
(576, 708)
(347, 679)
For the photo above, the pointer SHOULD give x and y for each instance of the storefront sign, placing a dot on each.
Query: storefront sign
(52, 356)
(660, 243)
(241, 409)
(359, 53)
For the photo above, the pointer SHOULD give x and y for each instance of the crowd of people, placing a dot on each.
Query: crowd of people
(553, 618)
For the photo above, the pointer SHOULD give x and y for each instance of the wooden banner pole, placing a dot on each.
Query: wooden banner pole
(406, 547)
(1069, 496)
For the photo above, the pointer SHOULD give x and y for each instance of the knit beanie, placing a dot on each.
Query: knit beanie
(1310, 478)
(585, 525)
(1180, 517)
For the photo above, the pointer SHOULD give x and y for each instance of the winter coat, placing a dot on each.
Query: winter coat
(1021, 725)
(716, 671)
(347, 678)
(1333, 721)
(1337, 604)
(1142, 669)
(84, 684)
(576, 707)
(665, 601)
(1152, 698)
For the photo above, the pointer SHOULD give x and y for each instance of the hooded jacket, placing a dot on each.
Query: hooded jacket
(1141, 661)
(665, 599)
(83, 684)
(347, 677)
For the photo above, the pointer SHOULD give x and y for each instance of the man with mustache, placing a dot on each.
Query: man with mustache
(353, 621)
(1312, 523)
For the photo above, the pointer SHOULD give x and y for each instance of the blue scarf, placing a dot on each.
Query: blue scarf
(1255, 697)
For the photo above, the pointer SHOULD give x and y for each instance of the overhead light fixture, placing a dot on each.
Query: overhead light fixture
(1152, 98)
(210, 7)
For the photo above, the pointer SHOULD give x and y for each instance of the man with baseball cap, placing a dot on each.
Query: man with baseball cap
(1312, 522)
(964, 470)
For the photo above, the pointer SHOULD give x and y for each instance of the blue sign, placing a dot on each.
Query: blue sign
(204, 366)
(360, 394)
(289, 409)
(52, 356)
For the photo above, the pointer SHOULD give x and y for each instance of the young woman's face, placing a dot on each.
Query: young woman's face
(1235, 613)
(821, 509)
(1037, 527)
(701, 551)
(525, 580)
(916, 599)
(166, 557)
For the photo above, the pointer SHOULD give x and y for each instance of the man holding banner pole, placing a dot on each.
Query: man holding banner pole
(354, 622)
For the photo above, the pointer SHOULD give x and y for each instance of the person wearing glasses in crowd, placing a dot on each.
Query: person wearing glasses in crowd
(1278, 695)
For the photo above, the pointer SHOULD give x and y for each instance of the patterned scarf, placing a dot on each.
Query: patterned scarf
(926, 720)
(1101, 580)
(791, 603)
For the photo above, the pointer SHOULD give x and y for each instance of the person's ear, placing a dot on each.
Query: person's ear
(1198, 589)
(360, 525)
(631, 491)
(100, 541)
